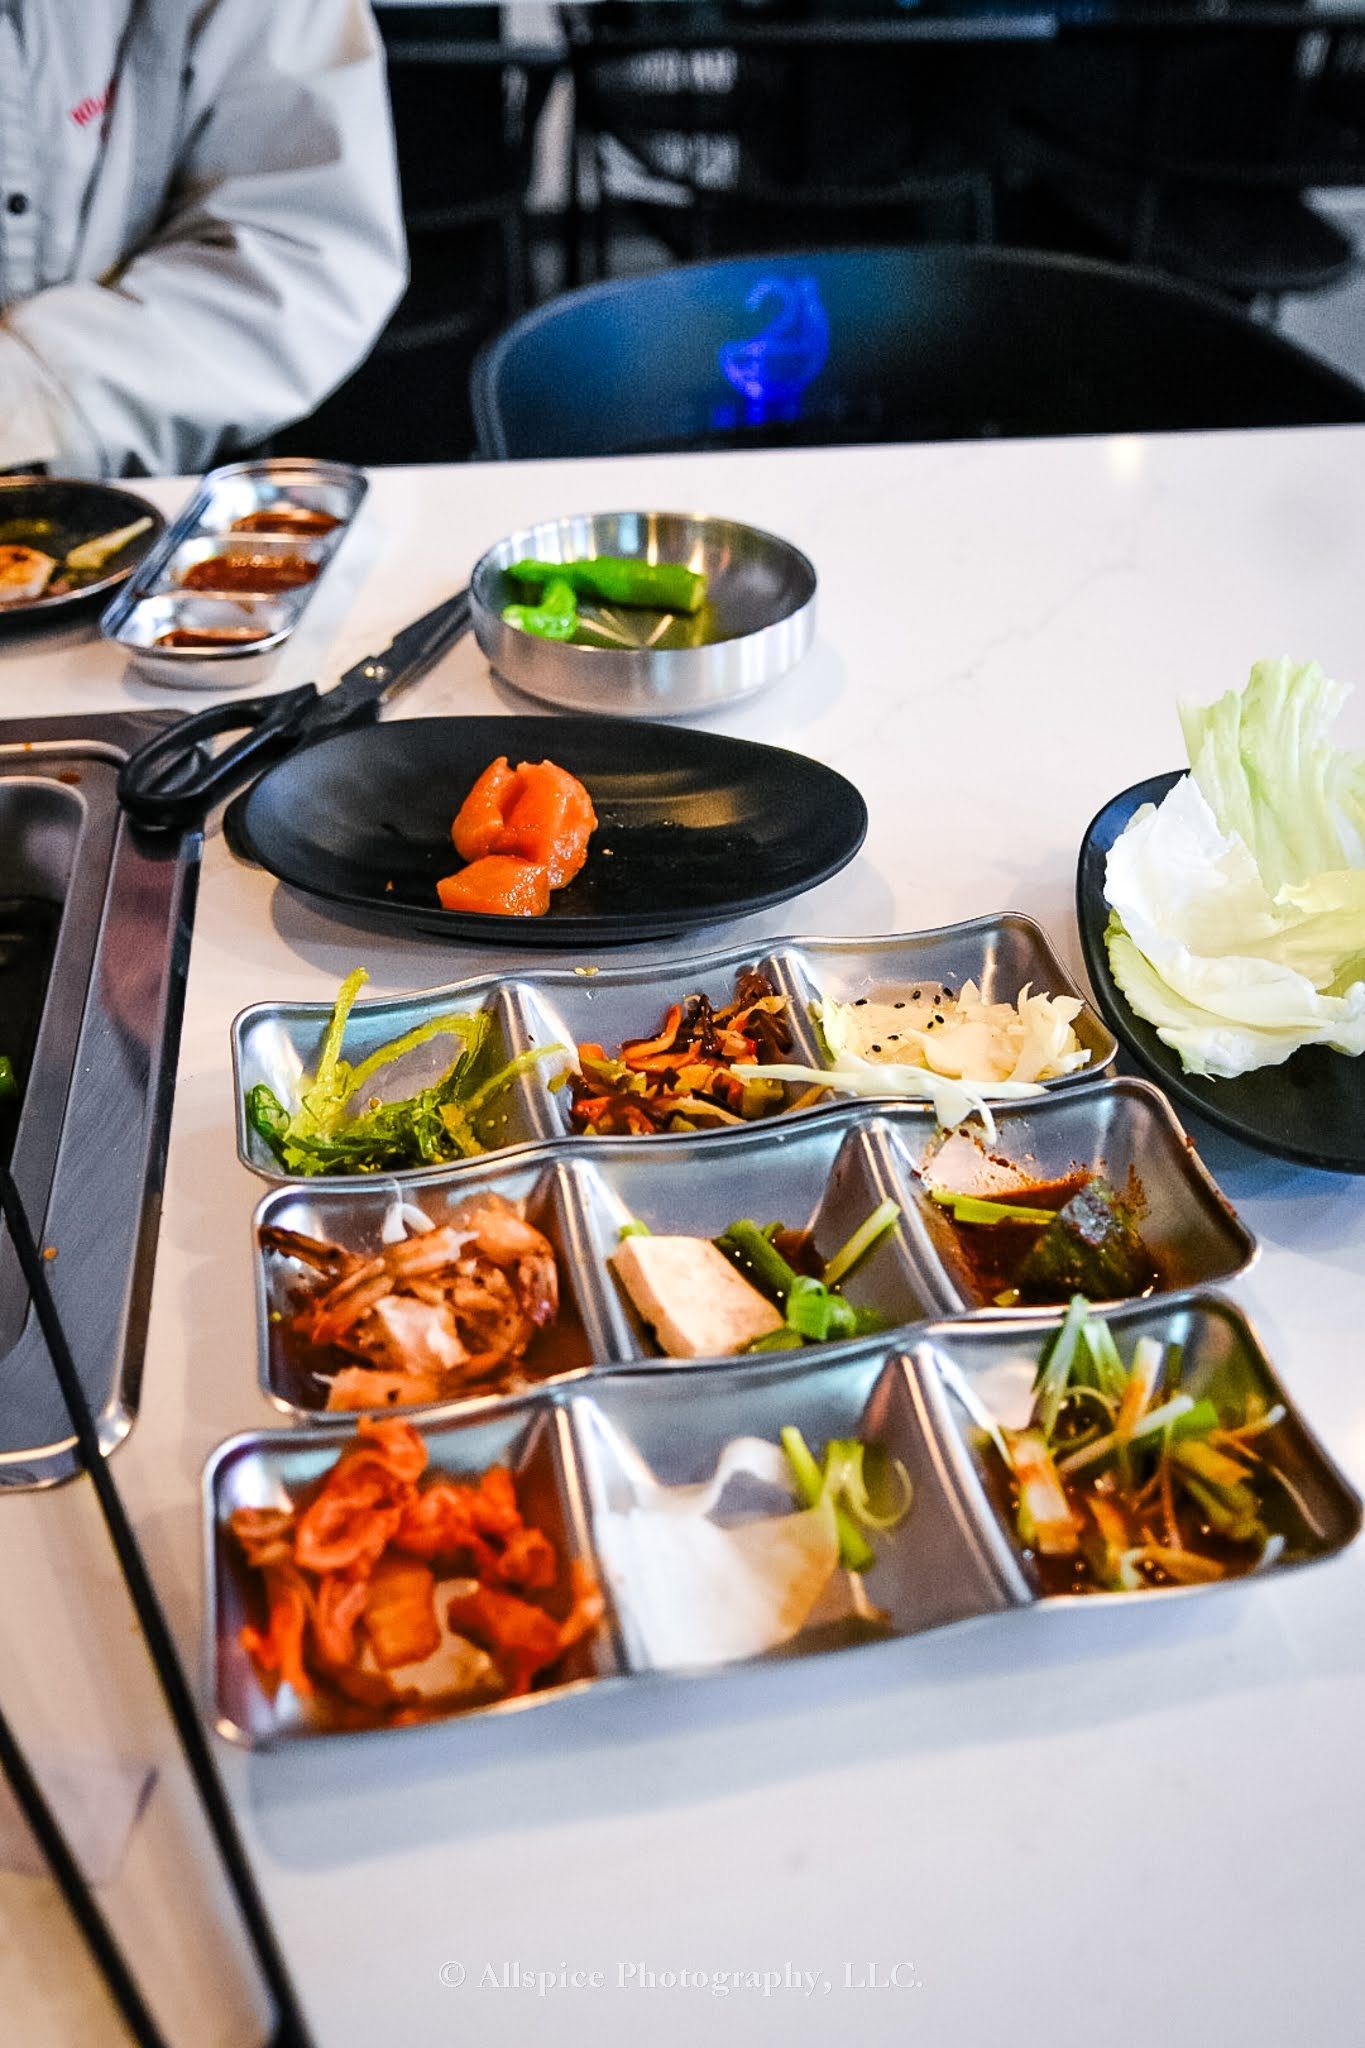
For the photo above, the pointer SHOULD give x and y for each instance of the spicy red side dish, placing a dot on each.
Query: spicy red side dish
(408, 1600)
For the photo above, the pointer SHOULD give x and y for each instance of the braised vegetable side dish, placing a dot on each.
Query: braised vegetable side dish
(684, 1078)
(524, 833)
(708, 1585)
(388, 1601)
(954, 1049)
(335, 1127)
(1124, 1480)
(747, 1290)
(666, 589)
(1047, 1240)
(439, 1312)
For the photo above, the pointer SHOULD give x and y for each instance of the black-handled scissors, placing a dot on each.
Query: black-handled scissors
(170, 783)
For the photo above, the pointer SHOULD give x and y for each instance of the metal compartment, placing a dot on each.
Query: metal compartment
(290, 1376)
(205, 529)
(946, 1562)
(531, 1437)
(1121, 1127)
(96, 1069)
(275, 1043)
(824, 1173)
(1222, 1358)
(265, 551)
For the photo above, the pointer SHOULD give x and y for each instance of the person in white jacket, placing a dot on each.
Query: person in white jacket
(200, 231)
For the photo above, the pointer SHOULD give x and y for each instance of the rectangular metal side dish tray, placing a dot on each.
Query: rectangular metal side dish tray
(819, 1174)
(574, 1449)
(229, 637)
(275, 1044)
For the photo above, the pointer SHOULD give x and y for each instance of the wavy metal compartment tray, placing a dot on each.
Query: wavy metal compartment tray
(823, 1174)
(276, 1043)
(955, 1558)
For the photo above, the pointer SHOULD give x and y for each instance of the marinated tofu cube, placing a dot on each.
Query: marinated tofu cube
(697, 1304)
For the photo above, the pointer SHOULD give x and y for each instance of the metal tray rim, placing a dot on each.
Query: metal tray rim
(481, 987)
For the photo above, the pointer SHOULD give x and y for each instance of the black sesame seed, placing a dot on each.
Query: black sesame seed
(916, 996)
(900, 1006)
(861, 1003)
(876, 1048)
(894, 1039)
(937, 1018)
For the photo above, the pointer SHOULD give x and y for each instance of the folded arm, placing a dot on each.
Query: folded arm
(275, 265)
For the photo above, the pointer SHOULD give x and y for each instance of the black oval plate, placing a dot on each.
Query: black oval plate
(692, 827)
(1311, 1109)
(80, 511)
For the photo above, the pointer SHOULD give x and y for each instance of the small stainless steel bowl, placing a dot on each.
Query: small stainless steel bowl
(758, 620)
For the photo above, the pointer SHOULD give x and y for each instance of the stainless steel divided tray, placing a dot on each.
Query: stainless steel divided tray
(823, 1174)
(576, 1453)
(277, 1043)
(227, 637)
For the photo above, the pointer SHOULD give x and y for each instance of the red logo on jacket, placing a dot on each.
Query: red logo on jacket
(87, 110)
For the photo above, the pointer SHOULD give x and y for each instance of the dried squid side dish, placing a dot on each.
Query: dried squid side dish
(450, 1310)
(684, 1078)
(392, 1601)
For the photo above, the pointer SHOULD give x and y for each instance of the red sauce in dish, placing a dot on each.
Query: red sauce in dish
(285, 519)
(256, 574)
(210, 636)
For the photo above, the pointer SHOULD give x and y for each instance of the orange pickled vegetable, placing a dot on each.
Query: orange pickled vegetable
(524, 831)
(498, 885)
(483, 814)
(549, 821)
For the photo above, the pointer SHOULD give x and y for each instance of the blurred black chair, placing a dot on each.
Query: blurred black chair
(885, 344)
(465, 108)
(717, 148)
(1189, 155)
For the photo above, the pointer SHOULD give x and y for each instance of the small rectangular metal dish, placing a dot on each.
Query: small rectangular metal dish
(822, 1175)
(581, 1453)
(268, 512)
(275, 1044)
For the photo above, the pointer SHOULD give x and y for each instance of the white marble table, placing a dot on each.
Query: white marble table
(1090, 1830)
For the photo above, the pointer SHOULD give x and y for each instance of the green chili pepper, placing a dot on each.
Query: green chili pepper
(554, 618)
(621, 579)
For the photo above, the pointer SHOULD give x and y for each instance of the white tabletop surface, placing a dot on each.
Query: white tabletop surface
(1078, 1829)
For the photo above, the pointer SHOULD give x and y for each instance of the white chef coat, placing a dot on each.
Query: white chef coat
(200, 233)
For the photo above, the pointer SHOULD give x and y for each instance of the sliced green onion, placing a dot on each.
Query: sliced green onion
(869, 1233)
(635, 1228)
(1151, 1424)
(976, 1209)
(1054, 1366)
(855, 1552)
